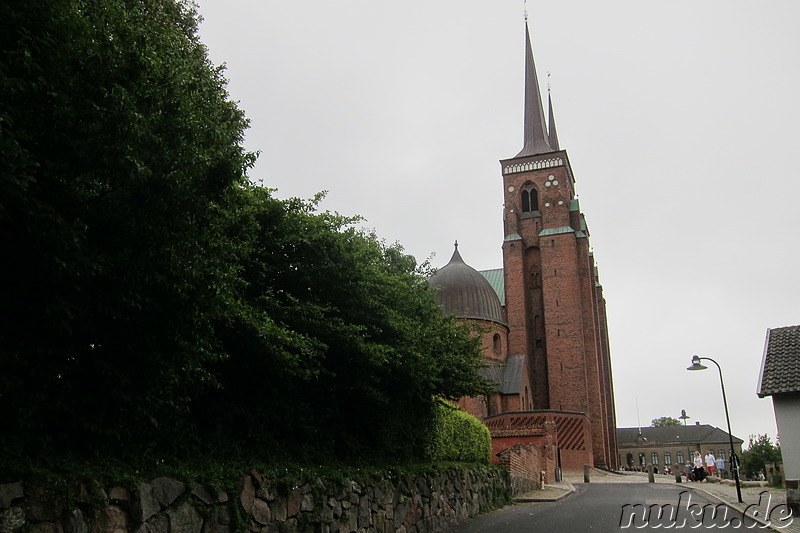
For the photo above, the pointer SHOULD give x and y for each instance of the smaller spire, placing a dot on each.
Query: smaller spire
(552, 135)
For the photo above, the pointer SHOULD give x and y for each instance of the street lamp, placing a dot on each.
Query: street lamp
(696, 365)
(684, 417)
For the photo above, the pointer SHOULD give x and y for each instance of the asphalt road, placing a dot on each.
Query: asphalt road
(613, 507)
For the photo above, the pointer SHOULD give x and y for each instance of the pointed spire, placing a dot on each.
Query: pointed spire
(535, 129)
(456, 258)
(553, 134)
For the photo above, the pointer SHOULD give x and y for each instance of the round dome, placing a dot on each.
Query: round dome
(465, 293)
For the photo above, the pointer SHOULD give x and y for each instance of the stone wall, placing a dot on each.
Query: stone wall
(422, 503)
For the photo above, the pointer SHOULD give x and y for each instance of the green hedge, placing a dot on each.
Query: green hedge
(458, 436)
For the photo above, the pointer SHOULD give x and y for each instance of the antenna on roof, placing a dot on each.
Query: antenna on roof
(525, 12)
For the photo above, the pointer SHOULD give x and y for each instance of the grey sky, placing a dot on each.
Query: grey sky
(679, 119)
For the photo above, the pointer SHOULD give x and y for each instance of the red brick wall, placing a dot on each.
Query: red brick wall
(566, 365)
(524, 463)
(553, 432)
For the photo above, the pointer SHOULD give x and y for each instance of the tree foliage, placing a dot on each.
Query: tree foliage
(760, 451)
(665, 421)
(156, 299)
(121, 163)
(346, 326)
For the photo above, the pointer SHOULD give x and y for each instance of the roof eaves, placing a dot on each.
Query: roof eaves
(556, 231)
(760, 390)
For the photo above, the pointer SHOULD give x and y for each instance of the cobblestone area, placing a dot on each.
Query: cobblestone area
(752, 496)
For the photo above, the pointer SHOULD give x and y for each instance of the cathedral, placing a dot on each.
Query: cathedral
(542, 317)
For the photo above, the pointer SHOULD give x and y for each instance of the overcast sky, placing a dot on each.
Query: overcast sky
(681, 124)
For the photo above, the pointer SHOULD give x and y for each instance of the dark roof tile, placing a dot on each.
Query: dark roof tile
(702, 434)
(780, 365)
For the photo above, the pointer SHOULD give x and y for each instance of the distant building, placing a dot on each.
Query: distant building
(543, 314)
(780, 378)
(671, 445)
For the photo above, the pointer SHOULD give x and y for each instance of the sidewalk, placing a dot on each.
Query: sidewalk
(724, 493)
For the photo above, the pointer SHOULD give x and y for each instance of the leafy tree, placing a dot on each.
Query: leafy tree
(665, 421)
(120, 167)
(760, 451)
(156, 300)
(357, 346)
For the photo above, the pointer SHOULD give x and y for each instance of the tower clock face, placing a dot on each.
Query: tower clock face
(510, 188)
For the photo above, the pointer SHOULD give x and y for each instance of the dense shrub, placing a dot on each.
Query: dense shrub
(458, 436)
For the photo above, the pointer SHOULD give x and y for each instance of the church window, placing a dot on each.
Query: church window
(536, 281)
(496, 344)
(530, 198)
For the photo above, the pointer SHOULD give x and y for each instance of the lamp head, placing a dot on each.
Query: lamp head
(696, 364)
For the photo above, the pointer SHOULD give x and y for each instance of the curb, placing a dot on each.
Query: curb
(528, 498)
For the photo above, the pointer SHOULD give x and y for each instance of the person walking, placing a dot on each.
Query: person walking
(699, 471)
(720, 467)
(711, 462)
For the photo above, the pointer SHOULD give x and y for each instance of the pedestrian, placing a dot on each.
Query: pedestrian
(687, 469)
(711, 462)
(720, 464)
(698, 471)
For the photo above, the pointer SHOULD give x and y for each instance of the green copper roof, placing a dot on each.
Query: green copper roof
(574, 205)
(497, 281)
(513, 237)
(556, 231)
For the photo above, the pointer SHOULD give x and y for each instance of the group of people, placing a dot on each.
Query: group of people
(701, 467)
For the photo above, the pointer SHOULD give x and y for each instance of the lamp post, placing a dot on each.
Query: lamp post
(696, 365)
(684, 417)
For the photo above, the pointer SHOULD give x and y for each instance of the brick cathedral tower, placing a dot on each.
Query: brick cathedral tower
(554, 303)
(547, 349)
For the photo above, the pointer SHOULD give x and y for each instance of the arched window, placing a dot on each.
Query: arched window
(536, 278)
(654, 458)
(530, 198)
(679, 457)
(497, 345)
(667, 458)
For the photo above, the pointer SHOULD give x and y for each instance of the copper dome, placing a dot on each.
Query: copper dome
(465, 293)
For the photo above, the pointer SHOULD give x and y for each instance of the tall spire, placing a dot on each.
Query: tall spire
(552, 136)
(535, 129)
